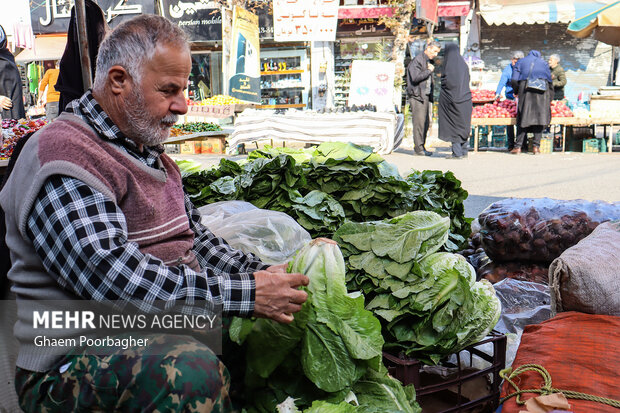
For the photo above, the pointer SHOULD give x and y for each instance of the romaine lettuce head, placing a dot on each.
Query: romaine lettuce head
(486, 311)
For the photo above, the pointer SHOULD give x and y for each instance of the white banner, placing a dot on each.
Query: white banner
(372, 82)
(305, 20)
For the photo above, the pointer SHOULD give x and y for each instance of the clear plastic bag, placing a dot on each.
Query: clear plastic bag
(523, 303)
(272, 236)
(539, 229)
(496, 272)
(215, 213)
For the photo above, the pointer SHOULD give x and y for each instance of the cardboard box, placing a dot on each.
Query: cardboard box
(190, 147)
(213, 145)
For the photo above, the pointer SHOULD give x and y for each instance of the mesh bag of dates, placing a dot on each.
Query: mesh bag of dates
(539, 229)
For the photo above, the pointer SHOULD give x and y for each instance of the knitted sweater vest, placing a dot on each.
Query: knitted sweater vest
(151, 200)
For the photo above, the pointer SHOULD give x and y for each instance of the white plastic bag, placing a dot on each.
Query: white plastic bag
(214, 214)
(272, 236)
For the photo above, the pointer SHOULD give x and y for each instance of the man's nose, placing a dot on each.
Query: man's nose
(179, 104)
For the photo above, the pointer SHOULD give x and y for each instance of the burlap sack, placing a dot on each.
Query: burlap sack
(586, 277)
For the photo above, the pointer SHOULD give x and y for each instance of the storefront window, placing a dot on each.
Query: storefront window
(345, 51)
(206, 77)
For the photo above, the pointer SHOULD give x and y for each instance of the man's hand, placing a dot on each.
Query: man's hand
(277, 296)
(278, 268)
(430, 67)
(498, 98)
(552, 77)
(5, 103)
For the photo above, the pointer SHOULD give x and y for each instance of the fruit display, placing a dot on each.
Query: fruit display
(508, 109)
(560, 110)
(13, 129)
(217, 100)
(482, 95)
(503, 109)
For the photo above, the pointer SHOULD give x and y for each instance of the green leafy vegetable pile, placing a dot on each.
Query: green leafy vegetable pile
(430, 303)
(331, 352)
(320, 187)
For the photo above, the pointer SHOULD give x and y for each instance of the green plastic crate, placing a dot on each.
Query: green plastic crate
(594, 145)
(499, 141)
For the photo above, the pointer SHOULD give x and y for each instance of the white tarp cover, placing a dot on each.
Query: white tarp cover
(382, 130)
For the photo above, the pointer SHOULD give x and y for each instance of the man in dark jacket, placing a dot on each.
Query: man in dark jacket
(420, 91)
(558, 77)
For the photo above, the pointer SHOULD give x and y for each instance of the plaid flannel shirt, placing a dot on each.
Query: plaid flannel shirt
(76, 230)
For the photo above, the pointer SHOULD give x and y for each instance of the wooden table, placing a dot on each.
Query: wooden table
(563, 122)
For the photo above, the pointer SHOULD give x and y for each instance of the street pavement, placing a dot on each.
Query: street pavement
(489, 176)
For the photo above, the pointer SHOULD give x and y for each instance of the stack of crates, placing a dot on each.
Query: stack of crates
(546, 144)
(499, 139)
(576, 135)
(594, 145)
(483, 137)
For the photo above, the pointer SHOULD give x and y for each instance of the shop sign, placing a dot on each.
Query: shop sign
(426, 10)
(305, 20)
(362, 27)
(265, 24)
(201, 20)
(244, 64)
(53, 16)
(372, 82)
(221, 111)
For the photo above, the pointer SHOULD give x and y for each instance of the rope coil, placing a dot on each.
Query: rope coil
(546, 388)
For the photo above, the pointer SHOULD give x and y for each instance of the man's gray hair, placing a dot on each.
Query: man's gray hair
(434, 43)
(518, 55)
(555, 57)
(133, 43)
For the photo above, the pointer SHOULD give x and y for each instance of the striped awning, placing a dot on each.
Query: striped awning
(531, 12)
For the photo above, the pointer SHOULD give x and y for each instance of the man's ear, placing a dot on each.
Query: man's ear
(118, 79)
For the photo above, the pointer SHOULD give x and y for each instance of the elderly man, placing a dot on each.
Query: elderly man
(558, 77)
(96, 211)
(420, 91)
(505, 82)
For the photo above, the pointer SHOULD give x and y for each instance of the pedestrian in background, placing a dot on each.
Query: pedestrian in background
(558, 77)
(530, 76)
(506, 82)
(420, 91)
(52, 97)
(455, 104)
(11, 95)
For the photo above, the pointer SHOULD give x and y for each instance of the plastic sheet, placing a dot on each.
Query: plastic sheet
(215, 213)
(272, 236)
(539, 229)
(523, 303)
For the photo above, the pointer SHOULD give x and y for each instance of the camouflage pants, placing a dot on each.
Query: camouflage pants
(185, 376)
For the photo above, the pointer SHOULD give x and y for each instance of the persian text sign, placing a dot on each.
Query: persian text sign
(305, 20)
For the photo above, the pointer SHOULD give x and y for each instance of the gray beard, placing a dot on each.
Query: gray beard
(142, 127)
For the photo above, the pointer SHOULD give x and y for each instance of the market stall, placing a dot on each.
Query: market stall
(382, 130)
(503, 113)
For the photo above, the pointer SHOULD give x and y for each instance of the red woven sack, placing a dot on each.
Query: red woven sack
(580, 351)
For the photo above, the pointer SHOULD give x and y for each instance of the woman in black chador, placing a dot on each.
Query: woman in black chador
(10, 83)
(455, 104)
